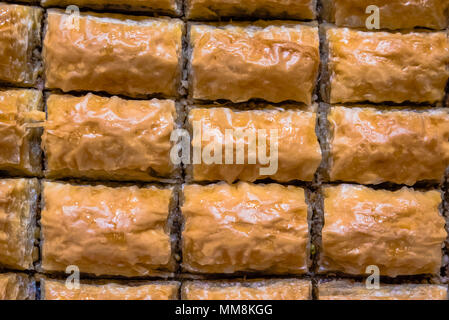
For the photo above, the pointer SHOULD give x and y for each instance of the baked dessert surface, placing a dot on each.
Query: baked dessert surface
(109, 138)
(275, 61)
(258, 289)
(18, 206)
(294, 139)
(245, 227)
(400, 232)
(122, 231)
(113, 53)
(15, 286)
(57, 290)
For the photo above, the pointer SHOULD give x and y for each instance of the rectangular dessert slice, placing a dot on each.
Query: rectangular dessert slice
(109, 138)
(20, 39)
(245, 227)
(287, 150)
(385, 66)
(258, 289)
(400, 232)
(393, 14)
(20, 153)
(350, 290)
(18, 206)
(374, 145)
(14, 286)
(107, 290)
(123, 231)
(128, 55)
(281, 9)
(274, 61)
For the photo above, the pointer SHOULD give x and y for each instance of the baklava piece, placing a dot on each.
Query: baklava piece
(349, 290)
(274, 61)
(134, 56)
(280, 289)
(245, 227)
(20, 39)
(109, 138)
(399, 232)
(18, 206)
(374, 145)
(20, 112)
(160, 290)
(385, 67)
(15, 286)
(290, 152)
(123, 231)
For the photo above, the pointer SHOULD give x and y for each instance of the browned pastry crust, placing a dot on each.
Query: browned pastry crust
(401, 232)
(106, 231)
(20, 37)
(245, 227)
(134, 56)
(258, 289)
(96, 290)
(349, 290)
(299, 153)
(275, 61)
(375, 145)
(385, 66)
(15, 286)
(109, 138)
(18, 206)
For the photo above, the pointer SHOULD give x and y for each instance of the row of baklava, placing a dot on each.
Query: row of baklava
(244, 228)
(100, 138)
(17, 286)
(274, 61)
(395, 14)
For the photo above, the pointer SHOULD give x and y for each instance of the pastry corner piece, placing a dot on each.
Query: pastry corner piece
(20, 39)
(20, 112)
(289, 131)
(402, 145)
(399, 232)
(245, 228)
(277, 9)
(274, 61)
(134, 56)
(365, 66)
(393, 14)
(350, 290)
(170, 7)
(14, 286)
(257, 289)
(102, 138)
(18, 206)
(110, 231)
(104, 290)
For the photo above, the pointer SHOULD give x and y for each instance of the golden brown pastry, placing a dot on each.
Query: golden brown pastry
(215, 9)
(282, 289)
(109, 138)
(18, 206)
(349, 290)
(14, 286)
(106, 231)
(274, 61)
(57, 290)
(172, 7)
(134, 56)
(376, 145)
(298, 150)
(393, 14)
(401, 232)
(245, 227)
(20, 153)
(20, 37)
(384, 66)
